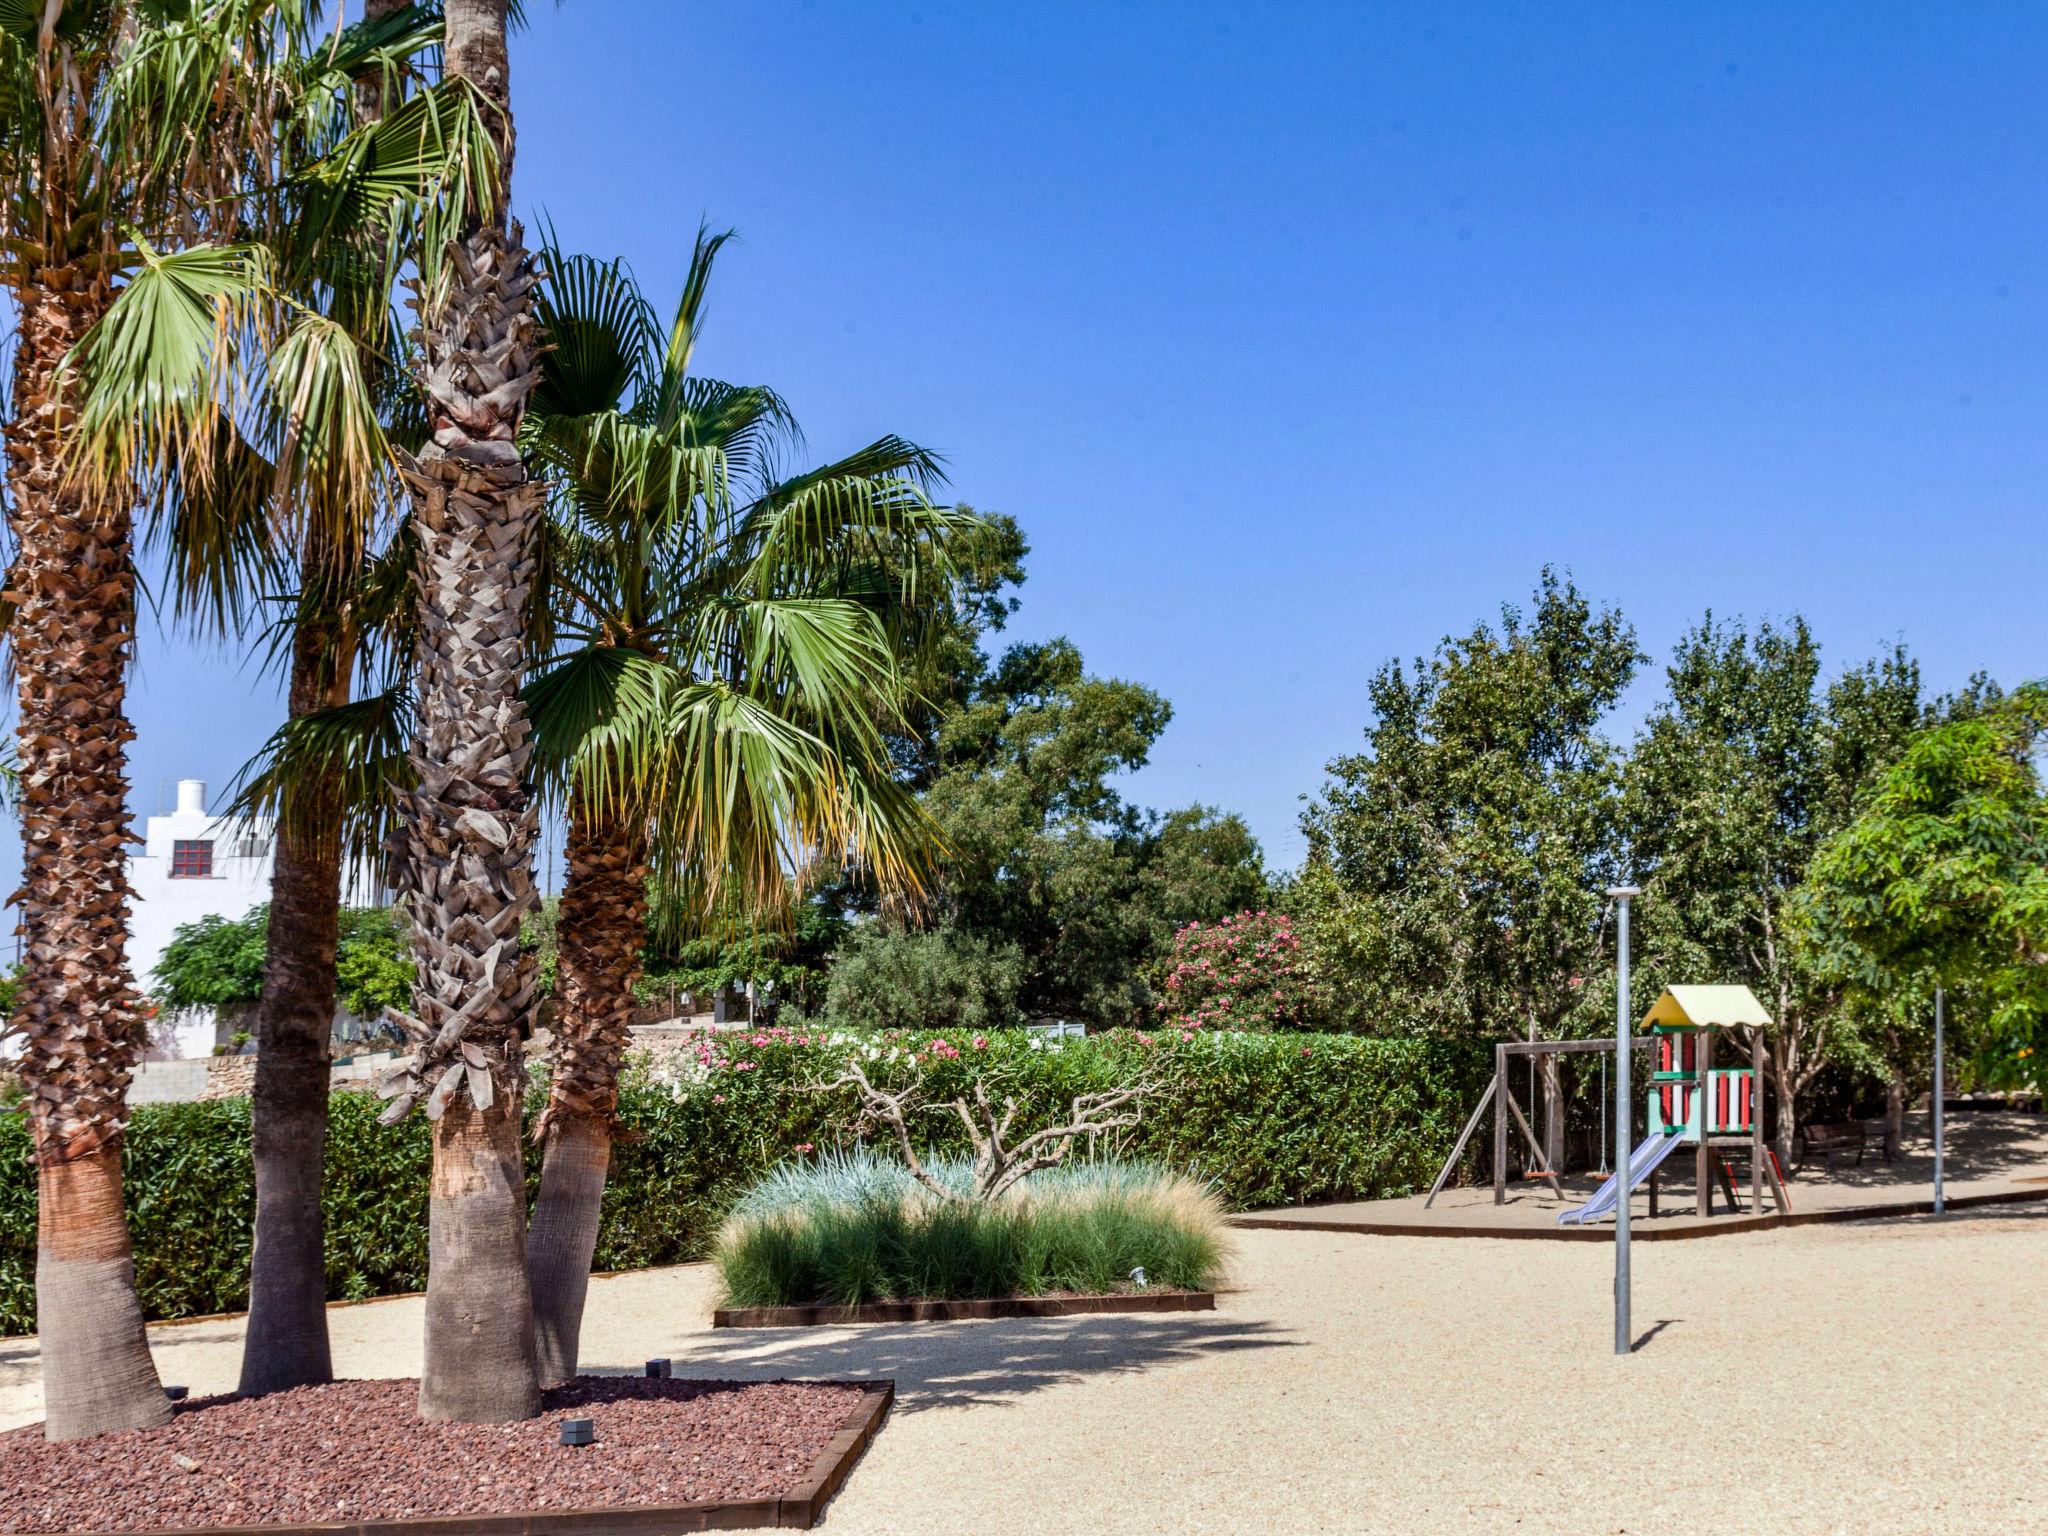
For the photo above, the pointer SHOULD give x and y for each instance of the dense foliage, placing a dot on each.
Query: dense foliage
(686, 954)
(892, 978)
(217, 962)
(1943, 877)
(1046, 858)
(848, 1229)
(1269, 1119)
(1455, 866)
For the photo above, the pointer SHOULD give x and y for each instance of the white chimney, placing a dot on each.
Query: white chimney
(191, 797)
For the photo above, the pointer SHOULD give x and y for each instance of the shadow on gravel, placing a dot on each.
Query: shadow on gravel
(957, 1365)
(1653, 1330)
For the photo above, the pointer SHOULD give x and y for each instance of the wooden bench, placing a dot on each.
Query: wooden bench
(1827, 1140)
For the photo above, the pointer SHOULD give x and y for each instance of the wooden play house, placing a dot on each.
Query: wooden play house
(1715, 1109)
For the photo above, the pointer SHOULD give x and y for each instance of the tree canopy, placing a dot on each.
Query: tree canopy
(1455, 866)
(1943, 874)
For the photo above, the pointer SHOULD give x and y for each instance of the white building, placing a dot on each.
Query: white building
(194, 865)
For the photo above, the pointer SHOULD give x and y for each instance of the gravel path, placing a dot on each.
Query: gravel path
(1883, 1378)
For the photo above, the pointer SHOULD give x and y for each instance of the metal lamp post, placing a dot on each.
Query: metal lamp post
(1939, 1204)
(1624, 1340)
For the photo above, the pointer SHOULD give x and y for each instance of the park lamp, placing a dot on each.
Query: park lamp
(1621, 896)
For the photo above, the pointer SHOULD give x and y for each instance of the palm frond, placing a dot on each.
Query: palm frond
(412, 177)
(352, 757)
(688, 325)
(601, 335)
(162, 368)
(325, 403)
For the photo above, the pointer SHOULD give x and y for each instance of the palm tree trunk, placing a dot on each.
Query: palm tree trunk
(286, 1341)
(468, 855)
(602, 928)
(78, 1015)
(285, 1344)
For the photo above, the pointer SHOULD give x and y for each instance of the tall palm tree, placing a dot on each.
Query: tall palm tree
(722, 667)
(238, 381)
(116, 120)
(467, 864)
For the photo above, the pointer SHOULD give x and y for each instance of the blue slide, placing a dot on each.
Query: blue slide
(1648, 1157)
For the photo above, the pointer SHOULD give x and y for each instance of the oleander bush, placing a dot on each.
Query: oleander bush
(1263, 1119)
(856, 1227)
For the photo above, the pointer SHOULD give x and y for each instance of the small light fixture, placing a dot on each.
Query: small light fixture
(1138, 1277)
(660, 1368)
(176, 1394)
(579, 1432)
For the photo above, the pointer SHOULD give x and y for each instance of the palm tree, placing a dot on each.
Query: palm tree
(467, 865)
(722, 666)
(239, 381)
(116, 119)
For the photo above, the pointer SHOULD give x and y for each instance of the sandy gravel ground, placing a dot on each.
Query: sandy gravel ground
(1856, 1379)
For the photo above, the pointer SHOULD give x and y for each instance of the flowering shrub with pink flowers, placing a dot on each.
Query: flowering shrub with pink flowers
(1245, 972)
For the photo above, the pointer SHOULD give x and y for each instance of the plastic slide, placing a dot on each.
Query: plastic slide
(1647, 1158)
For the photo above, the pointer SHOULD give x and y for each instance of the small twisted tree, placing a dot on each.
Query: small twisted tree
(1000, 1162)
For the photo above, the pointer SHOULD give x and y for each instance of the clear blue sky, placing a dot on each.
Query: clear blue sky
(1297, 336)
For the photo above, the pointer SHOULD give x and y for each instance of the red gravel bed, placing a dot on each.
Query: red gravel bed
(358, 1450)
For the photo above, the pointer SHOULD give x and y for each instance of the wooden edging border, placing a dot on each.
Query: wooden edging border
(1717, 1226)
(800, 1510)
(962, 1311)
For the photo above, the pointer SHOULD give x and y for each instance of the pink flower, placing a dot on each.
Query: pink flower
(718, 1098)
(803, 1146)
(981, 1042)
(1187, 1034)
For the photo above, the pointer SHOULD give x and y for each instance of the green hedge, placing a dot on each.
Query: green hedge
(1271, 1119)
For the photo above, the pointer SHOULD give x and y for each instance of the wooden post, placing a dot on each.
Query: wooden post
(1756, 1123)
(1501, 1089)
(1464, 1136)
(1703, 1060)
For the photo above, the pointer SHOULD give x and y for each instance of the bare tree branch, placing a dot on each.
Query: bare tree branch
(998, 1166)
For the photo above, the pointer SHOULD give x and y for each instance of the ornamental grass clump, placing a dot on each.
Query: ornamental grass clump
(855, 1227)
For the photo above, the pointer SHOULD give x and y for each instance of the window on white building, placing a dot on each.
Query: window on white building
(192, 859)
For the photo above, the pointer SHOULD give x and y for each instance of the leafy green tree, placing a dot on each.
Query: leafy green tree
(1455, 868)
(221, 962)
(1723, 804)
(937, 978)
(373, 961)
(1743, 770)
(792, 962)
(216, 962)
(1943, 877)
(1044, 855)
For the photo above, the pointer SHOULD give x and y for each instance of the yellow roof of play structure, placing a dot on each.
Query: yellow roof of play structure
(1702, 1006)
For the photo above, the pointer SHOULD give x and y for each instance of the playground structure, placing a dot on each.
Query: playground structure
(1691, 1103)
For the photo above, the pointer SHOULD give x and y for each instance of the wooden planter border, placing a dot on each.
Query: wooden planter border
(800, 1510)
(1715, 1226)
(962, 1311)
